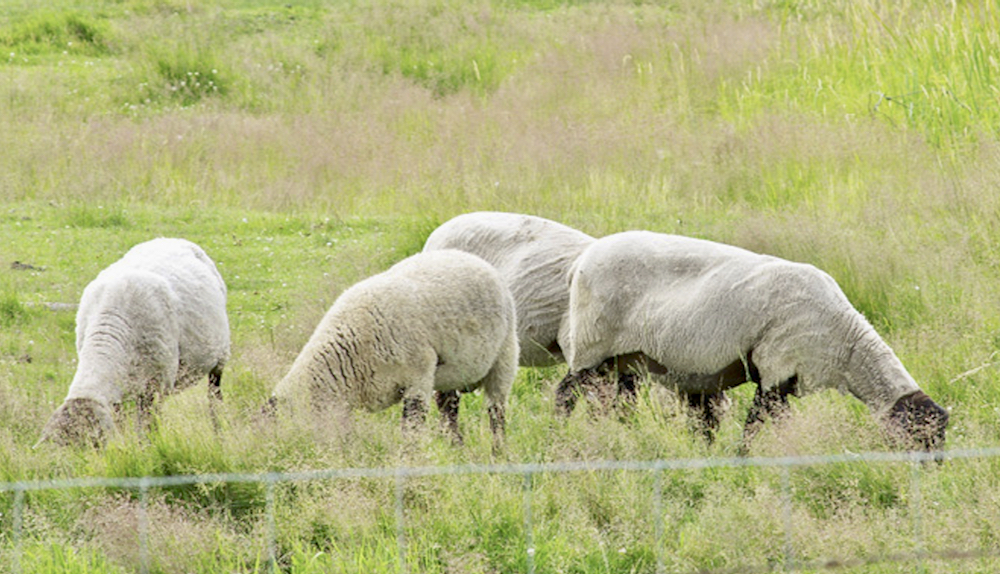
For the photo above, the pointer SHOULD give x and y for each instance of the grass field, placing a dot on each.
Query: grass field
(307, 145)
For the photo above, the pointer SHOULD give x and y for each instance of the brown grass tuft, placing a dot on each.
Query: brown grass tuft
(178, 538)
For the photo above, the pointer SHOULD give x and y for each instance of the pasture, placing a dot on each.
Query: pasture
(307, 145)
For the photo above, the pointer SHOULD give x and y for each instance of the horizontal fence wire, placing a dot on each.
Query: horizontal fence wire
(528, 471)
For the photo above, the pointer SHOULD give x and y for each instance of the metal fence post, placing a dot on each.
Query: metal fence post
(272, 545)
(658, 519)
(529, 542)
(18, 506)
(143, 526)
(915, 510)
(400, 523)
(786, 495)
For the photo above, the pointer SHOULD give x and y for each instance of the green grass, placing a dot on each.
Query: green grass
(57, 32)
(308, 145)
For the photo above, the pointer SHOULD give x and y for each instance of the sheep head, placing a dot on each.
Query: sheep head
(917, 421)
(79, 422)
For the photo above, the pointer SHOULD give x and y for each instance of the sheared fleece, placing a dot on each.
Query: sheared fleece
(533, 256)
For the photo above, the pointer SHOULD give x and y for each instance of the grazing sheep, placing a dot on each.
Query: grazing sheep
(439, 320)
(704, 317)
(151, 323)
(533, 256)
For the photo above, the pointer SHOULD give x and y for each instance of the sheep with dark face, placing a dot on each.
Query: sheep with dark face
(151, 323)
(703, 317)
(437, 321)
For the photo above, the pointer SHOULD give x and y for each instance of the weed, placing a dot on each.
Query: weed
(185, 74)
(12, 311)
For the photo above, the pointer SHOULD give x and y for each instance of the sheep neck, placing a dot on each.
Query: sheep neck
(101, 372)
(336, 369)
(875, 375)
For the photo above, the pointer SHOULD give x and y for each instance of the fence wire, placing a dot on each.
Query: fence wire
(528, 471)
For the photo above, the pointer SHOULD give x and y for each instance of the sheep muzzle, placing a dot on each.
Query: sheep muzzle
(79, 422)
(917, 421)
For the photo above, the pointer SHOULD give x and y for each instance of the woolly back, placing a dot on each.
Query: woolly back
(688, 303)
(199, 292)
(533, 256)
(697, 306)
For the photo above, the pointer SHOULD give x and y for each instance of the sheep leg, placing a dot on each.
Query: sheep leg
(215, 395)
(496, 386)
(414, 413)
(707, 408)
(766, 404)
(144, 404)
(447, 403)
(570, 389)
(269, 410)
(566, 393)
(498, 426)
(628, 391)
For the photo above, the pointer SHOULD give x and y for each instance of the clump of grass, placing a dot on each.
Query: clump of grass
(185, 74)
(443, 48)
(97, 217)
(12, 311)
(45, 557)
(162, 6)
(928, 70)
(182, 442)
(52, 32)
(825, 489)
(177, 538)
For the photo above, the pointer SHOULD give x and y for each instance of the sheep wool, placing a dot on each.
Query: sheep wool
(436, 321)
(533, 256)
(704, 317)
(151, 323)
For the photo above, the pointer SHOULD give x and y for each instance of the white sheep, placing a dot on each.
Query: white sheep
(703, 317)
(151, 323)
(439, 320)
(533, 256)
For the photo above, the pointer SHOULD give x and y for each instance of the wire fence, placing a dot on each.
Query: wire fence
(919, 556)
